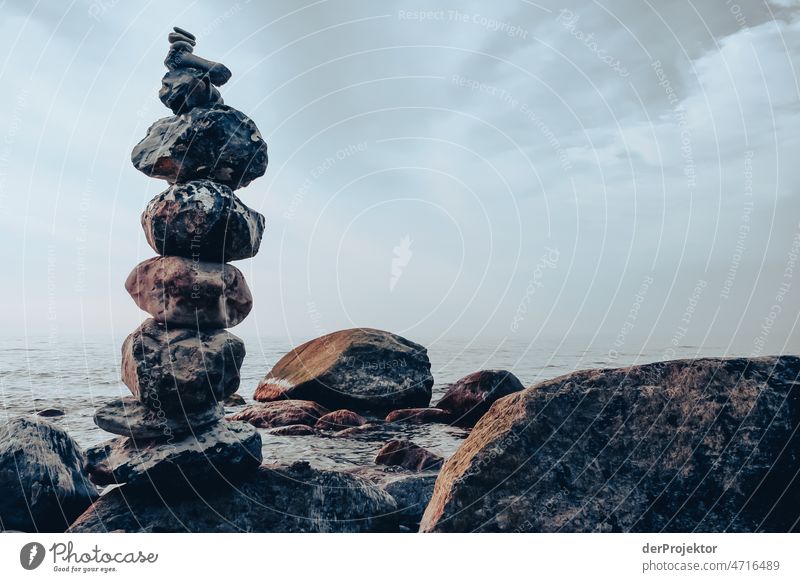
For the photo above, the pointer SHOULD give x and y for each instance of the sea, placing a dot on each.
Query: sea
(77, 375)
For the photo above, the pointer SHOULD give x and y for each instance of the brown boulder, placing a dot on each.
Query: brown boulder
(406, 454)
(418, 415)
(293, 430)
(340, 419)
(187, 293)
(468, 399)
(358, 369)
(281, 413)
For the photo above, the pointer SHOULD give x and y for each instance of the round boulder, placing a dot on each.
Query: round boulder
(358, 369)
(202, 220)
(468, 399)
(176, 369)
(340, 419)
(187, 293)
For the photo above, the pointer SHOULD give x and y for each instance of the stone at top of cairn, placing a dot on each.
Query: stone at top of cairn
(181, 56)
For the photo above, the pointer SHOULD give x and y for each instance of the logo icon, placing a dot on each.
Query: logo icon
(31, 555)
(402, 256)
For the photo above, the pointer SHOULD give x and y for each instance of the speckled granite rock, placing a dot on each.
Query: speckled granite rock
(706, 445)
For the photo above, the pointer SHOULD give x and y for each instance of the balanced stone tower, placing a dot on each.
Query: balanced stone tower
(181, 363)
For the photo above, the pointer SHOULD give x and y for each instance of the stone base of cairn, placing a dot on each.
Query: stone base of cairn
(181, 364)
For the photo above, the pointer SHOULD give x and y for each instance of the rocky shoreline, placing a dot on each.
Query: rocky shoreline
(704, 444)
(699, 445)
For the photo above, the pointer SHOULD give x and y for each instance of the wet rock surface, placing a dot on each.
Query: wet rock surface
(275, 498)
(468, 399)
(41, 477)
(216, 143)
(358, 369)
(419, 415)
(222, 452)
(202, 220)
(207, 372)
(281, 413)
(340, 419)
(187, 293)
(129, 417)
(408, 455)
(706, 445)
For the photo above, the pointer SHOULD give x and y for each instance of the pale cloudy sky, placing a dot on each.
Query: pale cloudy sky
(623, 171)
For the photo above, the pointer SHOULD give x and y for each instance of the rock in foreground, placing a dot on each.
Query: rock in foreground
(188, 293)
(357, 369)
(275, 498)
(207, 372)
(707, 445)
(202, 220)
(41, 477)
(468, 399)
(216, 143)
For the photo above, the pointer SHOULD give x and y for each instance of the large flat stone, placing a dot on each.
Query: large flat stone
(129, 417)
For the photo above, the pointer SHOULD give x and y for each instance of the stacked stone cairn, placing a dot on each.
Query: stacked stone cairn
(181, 363)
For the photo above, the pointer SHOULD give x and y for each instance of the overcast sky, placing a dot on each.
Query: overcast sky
(621, 171)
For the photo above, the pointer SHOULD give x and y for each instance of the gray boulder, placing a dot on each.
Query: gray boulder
(202, 220)
(188, 293)
(276, 498)
(222, 452)
(177, 370)
(216, 143)
(706, 445)
(41, 477)
(359, 369)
